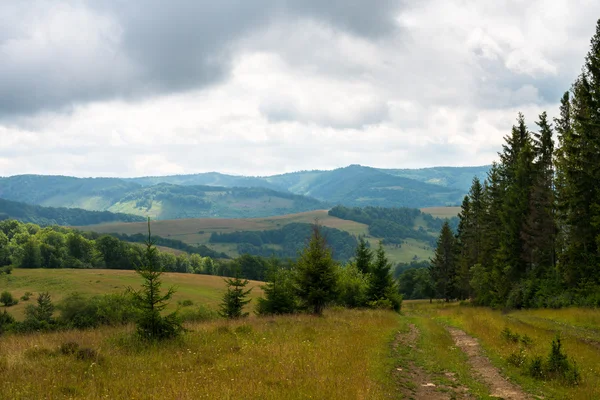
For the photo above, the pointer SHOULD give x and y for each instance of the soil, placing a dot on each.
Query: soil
(499, 386)
(416, 383)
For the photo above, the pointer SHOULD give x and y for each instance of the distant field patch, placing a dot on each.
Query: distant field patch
(201, 289)
(442, 212)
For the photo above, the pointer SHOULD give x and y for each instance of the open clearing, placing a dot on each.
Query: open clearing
(442, 212)
(197, 231)
(201, 289)
(429, 351)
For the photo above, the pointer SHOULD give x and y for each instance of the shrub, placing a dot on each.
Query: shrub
(280, 295)
(509, 335)
(7, 299)
(185, 303)
(353, 286)
(198, 314)
(79, 312)
(517, 358)
(68, 348)
(6, 321)
(26, 296)
(7, 269)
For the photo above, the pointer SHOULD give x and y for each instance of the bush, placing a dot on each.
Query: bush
(185, 303)
(198, 314)
(26, 296)
(280, 295)
(509, 335)
(353, 286)
(6, 321)
(7, 299)
(555, 366)
(7, 269)
(68, 348)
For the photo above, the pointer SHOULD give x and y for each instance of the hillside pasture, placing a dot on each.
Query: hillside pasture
(201, 289)
(442, 212)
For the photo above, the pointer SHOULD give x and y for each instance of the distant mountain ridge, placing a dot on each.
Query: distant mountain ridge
(228, 196)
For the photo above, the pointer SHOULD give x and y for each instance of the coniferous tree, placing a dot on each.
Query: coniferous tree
(382, 286)
(279, 294)
(149, 299)
(315, 273)
(235, 298)
(363, 257)
(443, 264)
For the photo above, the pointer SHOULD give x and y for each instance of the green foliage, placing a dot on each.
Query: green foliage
(383, 291)
(291, 238)
(6, 321)
(279, 294)
(199, 313)
(7, 299)
(150, 302)
(40, 316)
(353, 286)
(26, 296)
(235, 298)
(316, 278)
(363, 256)
(443, 265)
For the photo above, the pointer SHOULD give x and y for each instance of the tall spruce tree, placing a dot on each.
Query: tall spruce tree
(382, 286)
(316, 276)
(363, 256)
(235, 298)
(443, 264)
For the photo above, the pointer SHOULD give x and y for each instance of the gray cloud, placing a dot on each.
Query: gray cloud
(58, 55)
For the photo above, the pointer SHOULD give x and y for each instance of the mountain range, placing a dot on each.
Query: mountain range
(228, 196)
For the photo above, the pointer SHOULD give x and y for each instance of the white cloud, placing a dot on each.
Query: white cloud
(301, 92)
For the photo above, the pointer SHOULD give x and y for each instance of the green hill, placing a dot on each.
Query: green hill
(453, 177)
(59, 216)
(364, 186)
(160, 201)
(409, 238)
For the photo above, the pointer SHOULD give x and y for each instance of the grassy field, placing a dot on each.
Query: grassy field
(346, 354)
(343, 355)
(201, 289)
(442, 212)
(197, 231)
(578, 328)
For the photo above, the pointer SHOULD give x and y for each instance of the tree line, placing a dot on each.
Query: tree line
(290, 240)
(529, 235)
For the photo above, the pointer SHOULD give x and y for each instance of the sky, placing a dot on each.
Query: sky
(134, 88)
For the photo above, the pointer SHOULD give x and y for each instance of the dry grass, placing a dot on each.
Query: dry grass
(201, 289)
(343, 355)
(442, 212)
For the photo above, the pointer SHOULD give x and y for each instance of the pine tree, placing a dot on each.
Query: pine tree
(539, 231)
(149, 300)
(315, 273)
(363, 257)
(235, 298)
(279, 294)
(382, 286)
(443, 264)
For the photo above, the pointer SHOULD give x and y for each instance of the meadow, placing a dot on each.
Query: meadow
(197, 231)
(200, 289)
(346, 354)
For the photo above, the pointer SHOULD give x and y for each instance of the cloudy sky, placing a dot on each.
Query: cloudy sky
(153, 87)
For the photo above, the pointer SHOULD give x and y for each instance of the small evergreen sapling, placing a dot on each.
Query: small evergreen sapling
(235, 298)
(149, 300)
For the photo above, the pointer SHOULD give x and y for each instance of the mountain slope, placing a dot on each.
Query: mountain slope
(206, 179)
(96, 194)
(59, 216)
(454, 177)
(359, 186)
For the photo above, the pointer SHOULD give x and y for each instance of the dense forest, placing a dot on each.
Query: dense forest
(529, 235)
(288, 240)
(45, 216)
(394, 225)
(26, 245)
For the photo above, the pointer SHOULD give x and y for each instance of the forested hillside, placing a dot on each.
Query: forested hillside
(287, 241)
(394, 225)
(529, 236)
(59, 216)
(453, 177)
(161, 201)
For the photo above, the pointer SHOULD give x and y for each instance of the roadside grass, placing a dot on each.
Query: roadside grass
(343, 355)
(541, 327)
(201, 289)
